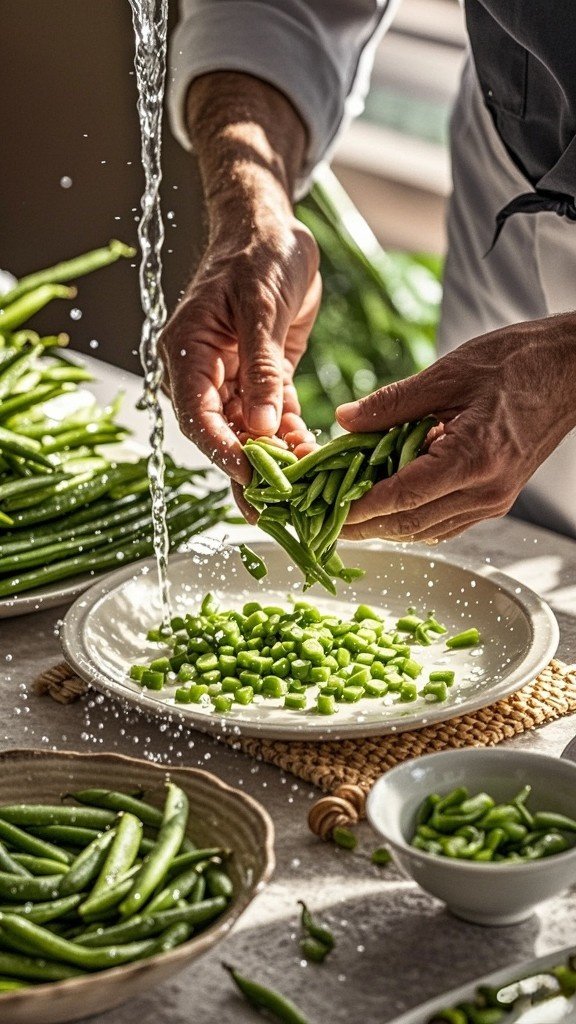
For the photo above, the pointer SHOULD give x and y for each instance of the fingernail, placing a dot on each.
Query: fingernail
(264, 419)
(347, 411)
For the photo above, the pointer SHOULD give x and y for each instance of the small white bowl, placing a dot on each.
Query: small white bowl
(490, 894)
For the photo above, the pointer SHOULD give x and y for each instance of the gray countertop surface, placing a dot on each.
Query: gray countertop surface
(396, 946)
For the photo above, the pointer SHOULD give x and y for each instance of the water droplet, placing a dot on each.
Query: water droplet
(65, 181)
(75, 314)
(94, 343)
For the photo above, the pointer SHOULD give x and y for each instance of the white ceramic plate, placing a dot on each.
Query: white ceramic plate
(556, 1013)
(105, 632)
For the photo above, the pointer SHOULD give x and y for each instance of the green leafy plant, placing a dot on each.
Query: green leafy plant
(379, 312)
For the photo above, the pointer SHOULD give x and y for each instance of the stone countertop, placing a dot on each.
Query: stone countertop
(395, 945)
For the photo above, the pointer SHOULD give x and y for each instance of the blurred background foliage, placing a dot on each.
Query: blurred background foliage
(379, 312)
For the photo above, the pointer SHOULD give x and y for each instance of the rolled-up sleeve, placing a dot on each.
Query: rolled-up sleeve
(318, 53)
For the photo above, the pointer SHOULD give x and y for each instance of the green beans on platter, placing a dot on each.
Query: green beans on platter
(291, 495)
(478, 829)
(310, 661)
(121, 897)
(545, 996)
(66, 507)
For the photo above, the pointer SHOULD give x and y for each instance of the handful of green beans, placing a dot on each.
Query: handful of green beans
(312, 496)
(476, 828)
(518, 1000)
(65, 507)
(311, 661)
(110, 881)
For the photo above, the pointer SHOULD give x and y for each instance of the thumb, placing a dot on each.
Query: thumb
(409, 399)
(260, 376)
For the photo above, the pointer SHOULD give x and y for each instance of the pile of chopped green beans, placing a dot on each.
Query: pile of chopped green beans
(477, 828)
(65, 507)
(110, 881)
(312, 496)
(311, 661)
(519, 1000)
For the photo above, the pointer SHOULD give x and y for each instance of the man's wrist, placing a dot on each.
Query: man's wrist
(249, 140)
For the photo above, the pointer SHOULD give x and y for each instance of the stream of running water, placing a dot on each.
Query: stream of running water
(150, 18)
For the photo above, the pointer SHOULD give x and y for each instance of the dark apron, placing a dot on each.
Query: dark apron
(525, 57)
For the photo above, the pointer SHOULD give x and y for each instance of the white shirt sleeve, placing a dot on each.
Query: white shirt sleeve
(319, 53)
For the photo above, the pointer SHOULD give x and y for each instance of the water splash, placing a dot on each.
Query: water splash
(150, 18)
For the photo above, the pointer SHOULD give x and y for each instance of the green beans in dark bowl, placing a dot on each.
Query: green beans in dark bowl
(114, 875)
(463, 824)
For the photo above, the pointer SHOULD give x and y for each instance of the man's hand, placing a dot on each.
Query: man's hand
(504, 400)
(231, 347)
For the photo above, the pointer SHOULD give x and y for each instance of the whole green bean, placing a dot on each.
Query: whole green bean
(26, 843)
(17, 888)
(122, 853)
(344, 443)
(65, 835)
(414, 440)
(280, 1008)
(145, 925)
(201, 856)
(87, 865)
(385, 447)
(70, 269)
(12, 369)
(56, 814)
(268, 468)
(10, 865)
(96, 907)
(23, 447)
(13, 488)
(282, 455)
(40, 865)
(168, 843)
(54, 947)
(43, 912)
(12, 984)
(358, 490)
(551, 820)
(218, 882)
(179, 888)
(314, 490)
(110, 800)
(16, 311)
(35, 969)
(67, 374)
(332, 486)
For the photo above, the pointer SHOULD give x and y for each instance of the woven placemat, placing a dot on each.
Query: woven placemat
(346, 769)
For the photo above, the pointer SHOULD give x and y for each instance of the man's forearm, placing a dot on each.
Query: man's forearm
(250, 143)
